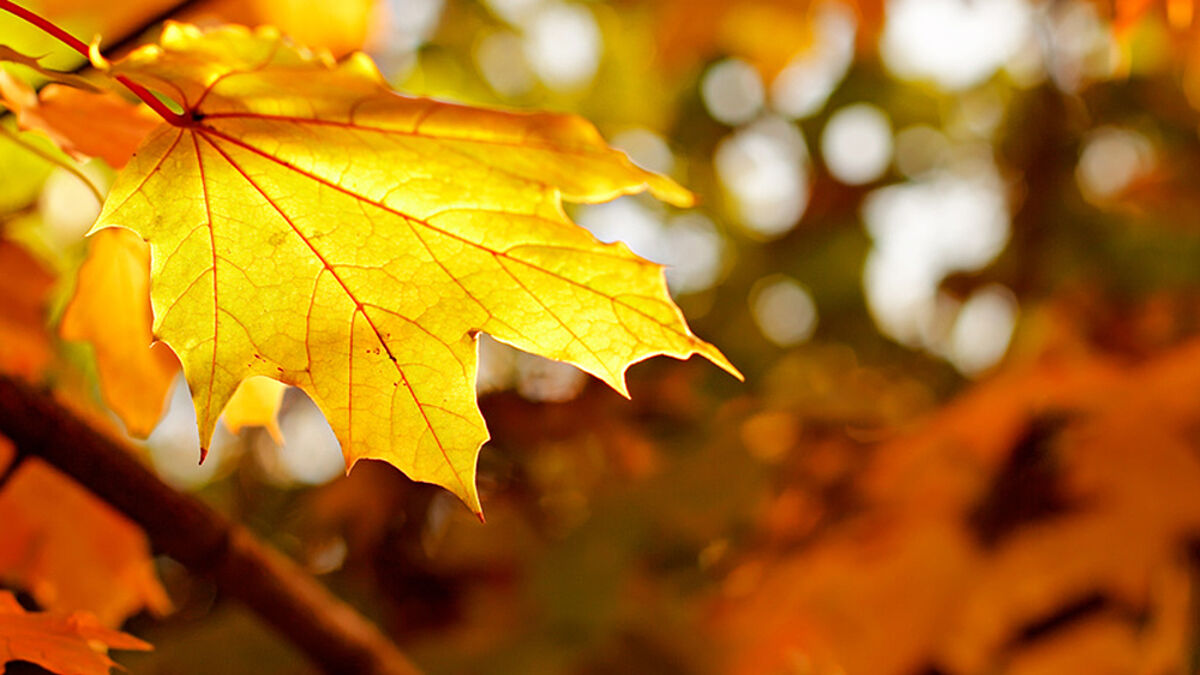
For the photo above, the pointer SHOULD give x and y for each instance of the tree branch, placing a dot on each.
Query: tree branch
(333, 634)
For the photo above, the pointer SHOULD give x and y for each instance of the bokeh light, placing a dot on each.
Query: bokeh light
(500, 57)
(174, 445)
(632, 220)
(923, 230)
(764, 168)
(857, 144)
(688, 245)
(646, 148)
(411, 22)
(696, 253)
(1112, 159)
(68, 206)
(732, 91)
(920, 149)
(983, 329)
(952, 43)
(805, 84)
(784, 310)
(497, 365)
(540, 379)
(1081, 45)
(563, 44)
(404, 27)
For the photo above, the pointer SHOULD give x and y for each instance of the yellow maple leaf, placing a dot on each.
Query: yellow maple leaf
(310, 225)
(256, 404)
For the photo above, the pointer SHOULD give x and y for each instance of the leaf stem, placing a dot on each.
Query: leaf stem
(48, 27)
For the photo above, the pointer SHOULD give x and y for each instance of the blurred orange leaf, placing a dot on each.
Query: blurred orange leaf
(1128, 12)
(87, 124)
(111, 310)
(72, 551)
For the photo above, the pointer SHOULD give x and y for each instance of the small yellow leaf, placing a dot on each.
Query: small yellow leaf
(111, 310)
(310, 225)
(256, 404)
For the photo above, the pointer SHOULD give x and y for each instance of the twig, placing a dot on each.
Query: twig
(333, 634)
(53, 30)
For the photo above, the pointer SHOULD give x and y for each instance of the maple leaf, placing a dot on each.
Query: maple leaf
(310, 225)
(61, 644)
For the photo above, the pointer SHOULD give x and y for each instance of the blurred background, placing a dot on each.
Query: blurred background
(954, 245)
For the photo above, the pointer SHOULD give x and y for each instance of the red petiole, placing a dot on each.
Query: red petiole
(48, 27)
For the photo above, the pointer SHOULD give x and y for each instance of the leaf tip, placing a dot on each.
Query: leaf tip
(617, 380)
(718, 359)
(667, 190)
(471, 499)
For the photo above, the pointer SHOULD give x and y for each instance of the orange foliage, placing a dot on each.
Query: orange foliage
(1041, 520)
(65, 644)
(82, 123)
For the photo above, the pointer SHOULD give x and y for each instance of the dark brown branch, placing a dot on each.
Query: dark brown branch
(334, 635)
